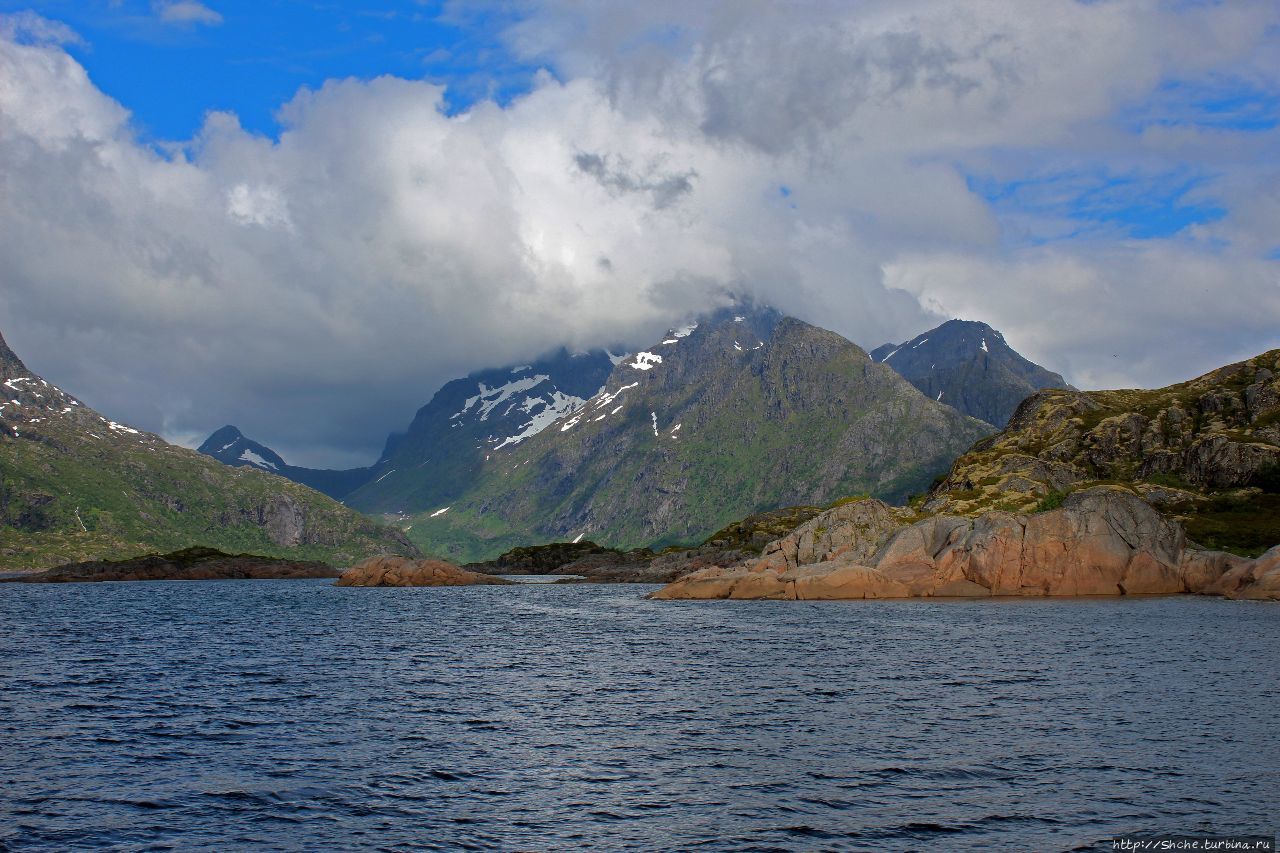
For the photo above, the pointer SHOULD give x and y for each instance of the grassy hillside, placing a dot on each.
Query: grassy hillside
(76, 486)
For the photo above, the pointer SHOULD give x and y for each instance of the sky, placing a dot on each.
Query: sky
(303, 217)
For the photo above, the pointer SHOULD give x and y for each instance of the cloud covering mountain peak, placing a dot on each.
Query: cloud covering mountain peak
(316, 285)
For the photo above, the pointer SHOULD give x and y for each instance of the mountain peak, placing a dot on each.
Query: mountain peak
(230, 446)
(220, 438)
(11, 367)
(969, 365)
(740, 411)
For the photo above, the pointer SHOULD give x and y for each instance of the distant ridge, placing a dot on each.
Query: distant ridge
(231, 447)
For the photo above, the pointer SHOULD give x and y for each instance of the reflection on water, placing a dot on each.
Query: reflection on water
(297, 715)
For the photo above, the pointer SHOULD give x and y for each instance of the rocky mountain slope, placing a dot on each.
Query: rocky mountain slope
(231, 447)
(1206, 451)
(444, 448)
(75, 485)
(746, 412)
(446, 443)
(969, 366)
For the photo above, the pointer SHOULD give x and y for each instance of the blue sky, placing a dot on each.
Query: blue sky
(170, 63)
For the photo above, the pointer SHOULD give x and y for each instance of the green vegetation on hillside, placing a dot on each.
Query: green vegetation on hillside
(75, 486)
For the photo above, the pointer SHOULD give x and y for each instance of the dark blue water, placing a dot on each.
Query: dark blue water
(295, 715)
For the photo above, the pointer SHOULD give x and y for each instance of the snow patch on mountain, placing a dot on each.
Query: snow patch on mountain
(645, 360)
(490, 398)
(551, 410)
(252, 458)
(603, 398)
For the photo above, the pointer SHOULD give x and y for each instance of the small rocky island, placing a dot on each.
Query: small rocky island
(389, 570)
(190, 564)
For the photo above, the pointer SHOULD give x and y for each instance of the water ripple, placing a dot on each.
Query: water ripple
(298, 716)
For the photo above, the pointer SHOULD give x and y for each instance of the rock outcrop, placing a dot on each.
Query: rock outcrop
(390, 570)
(1220, 431)
(192, 564)
(1206, 452)
(1101, 541)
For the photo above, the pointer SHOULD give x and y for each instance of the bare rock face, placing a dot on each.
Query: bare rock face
(852, 530)
(1102, 541)
(1251, 579)
(390, 570)
(285, 522)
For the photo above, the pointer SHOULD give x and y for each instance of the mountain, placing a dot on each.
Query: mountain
(468, 420)
(1206, 451)
(230, 447)
(742, 412)
(968, 365)
(75, 485)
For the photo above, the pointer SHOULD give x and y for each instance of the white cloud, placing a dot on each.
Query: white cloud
(315, 288)
(30, 28)
(185, 13)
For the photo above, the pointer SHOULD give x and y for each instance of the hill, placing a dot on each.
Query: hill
(77, 486)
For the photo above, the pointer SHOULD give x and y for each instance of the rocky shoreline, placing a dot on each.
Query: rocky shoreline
(191, 564)
(1101, 541)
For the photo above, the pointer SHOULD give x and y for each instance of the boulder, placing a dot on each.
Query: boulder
(1251, 579)
(390, 570)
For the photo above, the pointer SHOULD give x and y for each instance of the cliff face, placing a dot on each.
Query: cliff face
(1206, 451)
(75, 485)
